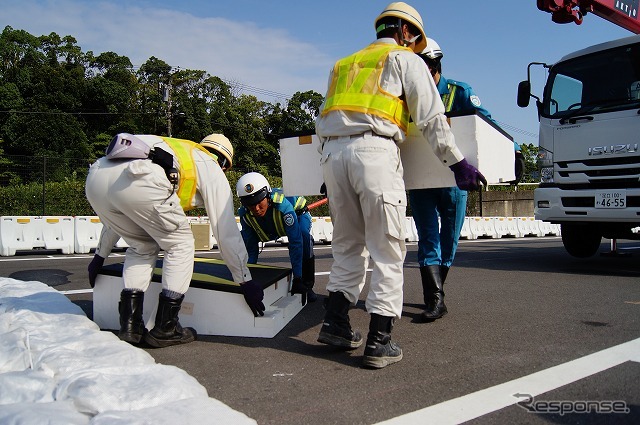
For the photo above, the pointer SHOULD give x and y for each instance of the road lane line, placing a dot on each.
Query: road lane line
(77, 291)
(479, 403)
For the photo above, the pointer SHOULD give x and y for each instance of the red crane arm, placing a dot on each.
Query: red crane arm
(623, 13)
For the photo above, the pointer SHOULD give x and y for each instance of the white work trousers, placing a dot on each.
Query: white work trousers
(136, 200)
(368, 203)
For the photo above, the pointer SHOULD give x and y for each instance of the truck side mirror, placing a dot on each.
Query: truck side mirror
(524, 93)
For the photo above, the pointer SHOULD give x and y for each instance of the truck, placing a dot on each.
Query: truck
(589, 135)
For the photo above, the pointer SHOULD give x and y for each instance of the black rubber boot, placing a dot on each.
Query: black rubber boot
(433, 293)
(336, 329)
(167, 330)
(131, 323)
(309, 277)
(444, 271)
(380, 351)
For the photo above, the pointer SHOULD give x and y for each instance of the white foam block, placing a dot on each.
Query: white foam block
(483, 145)
(209, 311)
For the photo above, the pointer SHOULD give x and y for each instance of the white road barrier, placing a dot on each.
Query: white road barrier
(87, 233)
(317, 229)
(19, 233)
(528, 226)
(506, 226)
(482, 227)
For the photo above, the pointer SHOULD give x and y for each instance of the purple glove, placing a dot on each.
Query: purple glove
(467, 176)
(94, 267)
(253, 295)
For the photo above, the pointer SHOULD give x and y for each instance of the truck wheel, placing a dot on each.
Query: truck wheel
(579, 240)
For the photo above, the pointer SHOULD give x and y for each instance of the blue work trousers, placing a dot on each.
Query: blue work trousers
(304, 221)
(437, 243)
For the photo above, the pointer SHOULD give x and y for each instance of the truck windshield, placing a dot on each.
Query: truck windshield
(599, 82)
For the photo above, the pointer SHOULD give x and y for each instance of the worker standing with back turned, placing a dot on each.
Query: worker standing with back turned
(371, 97)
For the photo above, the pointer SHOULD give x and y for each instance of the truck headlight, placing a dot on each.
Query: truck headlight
(545, 165)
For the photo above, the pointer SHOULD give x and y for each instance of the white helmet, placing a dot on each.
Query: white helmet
(252, 188)
(221, 147)
(432, 51)
(402, 10)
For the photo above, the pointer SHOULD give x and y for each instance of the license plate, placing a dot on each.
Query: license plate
(611, 199)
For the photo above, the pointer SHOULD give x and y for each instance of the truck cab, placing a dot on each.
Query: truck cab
(589, 141)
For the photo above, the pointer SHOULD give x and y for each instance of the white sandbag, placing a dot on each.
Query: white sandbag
(49, 350)
(196, 411)
(127, 387)
(91, 350)
(14, 355)
(26, 386)
(56, 413)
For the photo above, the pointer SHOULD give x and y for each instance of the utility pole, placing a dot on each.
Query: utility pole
(167, 99)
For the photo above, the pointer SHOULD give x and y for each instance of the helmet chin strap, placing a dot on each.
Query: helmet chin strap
(412, 40)
(405, 42)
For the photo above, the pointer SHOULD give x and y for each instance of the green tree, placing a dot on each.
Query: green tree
(530, 153)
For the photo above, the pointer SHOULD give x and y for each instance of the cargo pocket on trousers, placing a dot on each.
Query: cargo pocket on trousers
(169, 215)
(395, 209)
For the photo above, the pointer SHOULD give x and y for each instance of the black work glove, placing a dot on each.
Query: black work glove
(519, 167)
(467, 176)
(94, 267)
(300, 287)
(253, 295)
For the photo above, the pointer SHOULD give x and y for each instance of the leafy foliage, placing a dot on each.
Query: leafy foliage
(57, 100)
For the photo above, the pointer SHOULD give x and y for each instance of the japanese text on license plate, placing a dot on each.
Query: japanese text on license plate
(611, 199)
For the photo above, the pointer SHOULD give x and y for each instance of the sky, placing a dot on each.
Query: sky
(273, 49)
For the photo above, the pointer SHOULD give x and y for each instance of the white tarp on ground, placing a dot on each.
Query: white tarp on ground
(57, 367)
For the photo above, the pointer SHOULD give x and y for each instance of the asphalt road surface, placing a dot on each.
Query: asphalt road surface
(533, 336)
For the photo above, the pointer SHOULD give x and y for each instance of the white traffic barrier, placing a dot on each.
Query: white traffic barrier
(465, 233)
(528, 226)
(58, 233)
(546, 228)
(317, 229)
(26, 233)
(283, 240)
(482, 227)
(411, 232)
(87, 233)
(506, 226)
(19, 233)
(328, 230)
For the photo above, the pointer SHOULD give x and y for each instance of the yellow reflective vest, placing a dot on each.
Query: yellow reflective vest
(183, 150)
(278, 211)
(355, 86)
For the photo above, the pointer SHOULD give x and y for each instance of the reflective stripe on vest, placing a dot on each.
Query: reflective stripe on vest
(183, 149)
(276, 197)
(448, 98)
(301, 201)
(262, 235)
(355, 86)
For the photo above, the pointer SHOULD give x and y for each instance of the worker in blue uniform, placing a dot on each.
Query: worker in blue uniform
(437, 242)
(266, 215)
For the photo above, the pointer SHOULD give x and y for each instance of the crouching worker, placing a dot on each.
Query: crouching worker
(265, 215)
(141, 190)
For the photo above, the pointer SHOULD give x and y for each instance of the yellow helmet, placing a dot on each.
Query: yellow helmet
(407, 13)
(221, 146)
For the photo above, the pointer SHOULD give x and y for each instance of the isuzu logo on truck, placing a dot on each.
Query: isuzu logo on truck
(604, 150)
